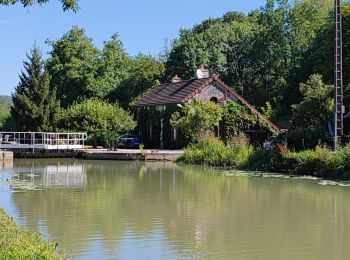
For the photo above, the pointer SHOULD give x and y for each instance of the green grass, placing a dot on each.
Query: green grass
(19, 243)
(318, 162)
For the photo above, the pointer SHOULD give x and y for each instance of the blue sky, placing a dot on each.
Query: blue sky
(142, 26)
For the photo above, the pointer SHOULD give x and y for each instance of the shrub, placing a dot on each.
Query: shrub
(100, 119)
(319, 162)
(208, 151)
(301, 139)
(214, 152)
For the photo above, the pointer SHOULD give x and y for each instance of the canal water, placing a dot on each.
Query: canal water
(130, 210)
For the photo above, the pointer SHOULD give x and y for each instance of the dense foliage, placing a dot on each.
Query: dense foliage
(319, 162)
(311, 116)
(196, 118)
(72, 65)
(98, 118)
(316, 108)
(34, 104)
(211, 151)
(18, 243)
(66, 4)
(238, 118)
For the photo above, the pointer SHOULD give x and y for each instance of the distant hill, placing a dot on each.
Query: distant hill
(5, 103)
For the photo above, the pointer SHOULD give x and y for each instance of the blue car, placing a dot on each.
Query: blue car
(131, 141)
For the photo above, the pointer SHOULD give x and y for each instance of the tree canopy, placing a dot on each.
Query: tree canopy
(98, 118)
(259, 54)
(66, 4)
(315, 110)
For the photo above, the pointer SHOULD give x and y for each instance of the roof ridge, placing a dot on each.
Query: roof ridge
(245, 102)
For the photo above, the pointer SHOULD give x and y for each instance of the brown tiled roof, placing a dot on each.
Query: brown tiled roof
(172, 93)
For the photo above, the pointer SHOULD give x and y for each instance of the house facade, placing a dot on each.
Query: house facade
(153, 111)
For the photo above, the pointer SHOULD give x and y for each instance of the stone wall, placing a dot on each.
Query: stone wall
(215, 91)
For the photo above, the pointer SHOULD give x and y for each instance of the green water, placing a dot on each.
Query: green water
(129, 210)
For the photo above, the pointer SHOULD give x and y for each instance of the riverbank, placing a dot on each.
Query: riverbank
(320, 162)
(104, 154)
(19, 243)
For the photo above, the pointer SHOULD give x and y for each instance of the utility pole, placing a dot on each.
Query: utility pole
(338, 76)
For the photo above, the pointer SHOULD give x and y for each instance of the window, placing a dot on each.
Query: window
(214, 99)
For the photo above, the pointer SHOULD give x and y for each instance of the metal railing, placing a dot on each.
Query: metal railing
(42, 140)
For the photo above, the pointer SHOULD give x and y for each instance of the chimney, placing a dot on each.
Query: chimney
(201, 72)
(175, 79)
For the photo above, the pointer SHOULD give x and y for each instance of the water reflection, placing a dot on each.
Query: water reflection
(31, 175)
(161, 210)
(8, 164)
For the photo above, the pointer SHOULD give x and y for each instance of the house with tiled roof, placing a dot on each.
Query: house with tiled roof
(154, 109)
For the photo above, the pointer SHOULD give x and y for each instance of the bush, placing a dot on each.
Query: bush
(319, 162)
(214, 152)
(322, 163)
(301, 139)
(101, 120)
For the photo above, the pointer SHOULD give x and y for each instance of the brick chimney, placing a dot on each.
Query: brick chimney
(201, 72)
(175, 79)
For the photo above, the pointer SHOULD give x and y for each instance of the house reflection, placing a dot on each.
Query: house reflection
(6, 164)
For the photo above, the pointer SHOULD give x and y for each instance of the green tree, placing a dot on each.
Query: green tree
(144, 73)
(34, 103)
(66, 4)
(315, 110)
(98, 118)
(73, 64)
(113, 68)
(197, 117)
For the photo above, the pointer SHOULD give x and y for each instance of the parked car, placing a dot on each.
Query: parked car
(270, 143)
(132, 141)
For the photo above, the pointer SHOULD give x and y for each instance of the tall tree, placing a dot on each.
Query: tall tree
(66, 4)
(113, 67)
(73, 66)
(34, 104)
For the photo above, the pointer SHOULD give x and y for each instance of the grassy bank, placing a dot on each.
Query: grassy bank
(319, 162)
(19, 243)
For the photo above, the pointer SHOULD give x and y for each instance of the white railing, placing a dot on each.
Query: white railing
(42, 140)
